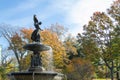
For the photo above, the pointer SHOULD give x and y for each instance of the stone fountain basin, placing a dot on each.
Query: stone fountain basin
(46, 75)
(36, 47)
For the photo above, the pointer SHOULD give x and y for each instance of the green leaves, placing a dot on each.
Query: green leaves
(101, 37)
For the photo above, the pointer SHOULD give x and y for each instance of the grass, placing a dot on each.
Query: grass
(101, 79)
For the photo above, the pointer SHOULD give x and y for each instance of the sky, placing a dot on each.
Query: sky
(72, 14)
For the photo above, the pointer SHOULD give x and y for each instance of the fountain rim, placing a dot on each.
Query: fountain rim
(36, 47)
(35, 73)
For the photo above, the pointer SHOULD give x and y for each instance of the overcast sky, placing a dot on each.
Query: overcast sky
(72, 14)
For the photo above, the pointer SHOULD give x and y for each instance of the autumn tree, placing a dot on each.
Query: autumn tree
(51, 36)
(79, 69)
(53, 41)
(26, 34)
(6, 65)
(60, 30)
(15, 41)
(69, 44)
(97, 40)
(26, 37)
(48, 38)
(114, 12)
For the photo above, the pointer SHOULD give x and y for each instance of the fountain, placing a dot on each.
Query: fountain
(36, 71)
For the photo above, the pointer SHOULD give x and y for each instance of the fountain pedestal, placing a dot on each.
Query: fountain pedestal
(36, 64)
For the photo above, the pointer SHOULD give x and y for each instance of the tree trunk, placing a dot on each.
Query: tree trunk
(112, 71)
(117, 74)
(111, 74)
(110, 68)
(19, 66)
(117, 68)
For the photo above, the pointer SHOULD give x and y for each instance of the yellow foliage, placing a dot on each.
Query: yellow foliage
(27, 34)
(79, 69)
(69, 45)
(52, 40)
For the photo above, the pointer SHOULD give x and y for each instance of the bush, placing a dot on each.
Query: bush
(79, 70)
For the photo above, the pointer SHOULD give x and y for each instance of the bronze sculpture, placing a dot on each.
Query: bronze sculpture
(35, 35)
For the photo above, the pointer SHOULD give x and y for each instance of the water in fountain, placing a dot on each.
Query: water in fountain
(50, 65)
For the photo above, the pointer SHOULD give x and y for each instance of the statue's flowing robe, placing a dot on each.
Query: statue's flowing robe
(35, 35)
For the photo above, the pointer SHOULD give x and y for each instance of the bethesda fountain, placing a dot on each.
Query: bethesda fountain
(36, 71)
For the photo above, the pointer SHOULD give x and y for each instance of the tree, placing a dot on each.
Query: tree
(114, 12)
(116, 52)
(26, 36)
(17, 47)
(48, 38)
(76, 68)
(15, 41)
(79, 69)
(26, 33)
(69, 44)
(6, 64)
(58, 29)
(52, 40)
(2, 73)
(98, 38)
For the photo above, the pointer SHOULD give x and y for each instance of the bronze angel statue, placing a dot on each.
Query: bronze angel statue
(35, 35)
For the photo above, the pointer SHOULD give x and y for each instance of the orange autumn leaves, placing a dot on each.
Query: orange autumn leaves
(48, 38)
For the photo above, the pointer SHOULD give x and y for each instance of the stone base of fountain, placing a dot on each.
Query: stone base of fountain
(36, 69)
(46, 75)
